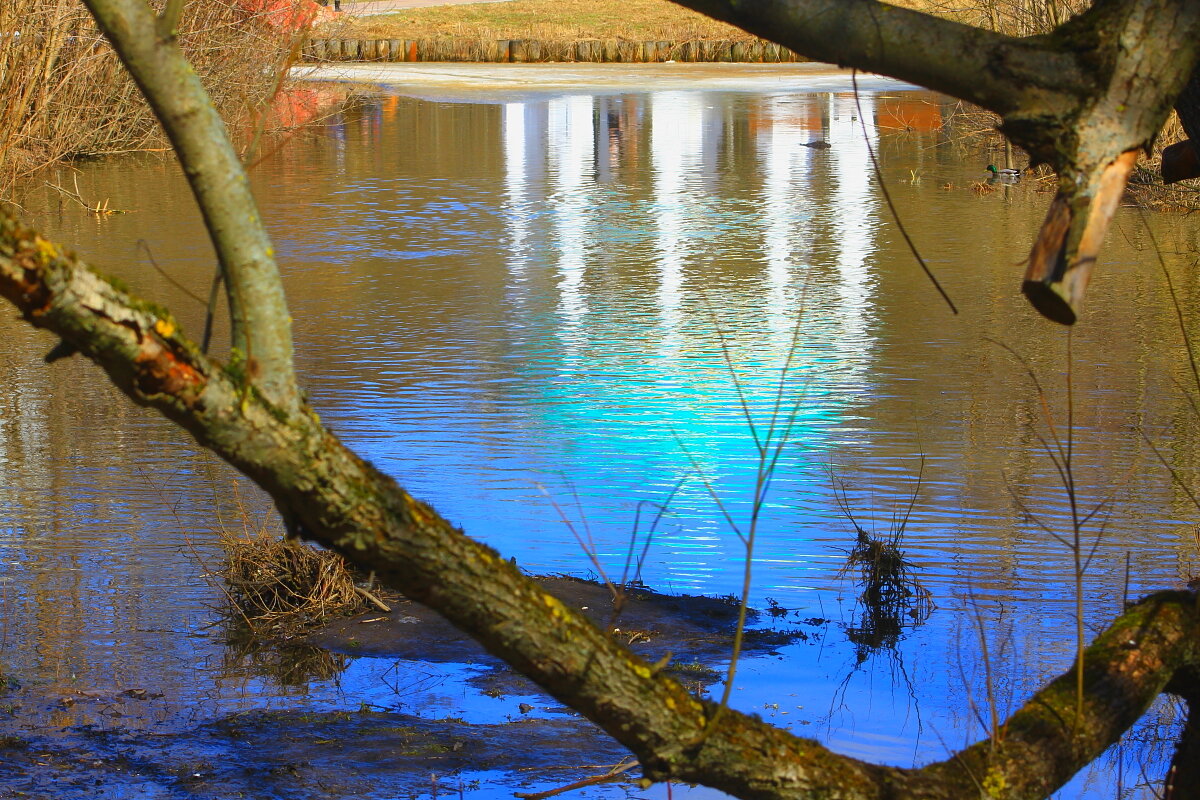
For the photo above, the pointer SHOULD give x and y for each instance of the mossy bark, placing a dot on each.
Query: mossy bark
(261, 328)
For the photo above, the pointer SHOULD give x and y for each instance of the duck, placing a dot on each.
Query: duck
(1008, 174)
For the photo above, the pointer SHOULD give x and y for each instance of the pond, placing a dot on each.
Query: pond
(554, 312)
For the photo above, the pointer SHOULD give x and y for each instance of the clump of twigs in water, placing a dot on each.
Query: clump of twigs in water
(885, 575)
(279, 586)
(891, 595)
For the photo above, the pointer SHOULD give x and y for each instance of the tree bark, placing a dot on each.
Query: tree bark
(261, 326)
(337, 499)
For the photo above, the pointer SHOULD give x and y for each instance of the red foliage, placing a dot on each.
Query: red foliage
(286, 15)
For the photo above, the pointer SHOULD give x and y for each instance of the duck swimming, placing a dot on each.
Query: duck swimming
(1004, 174)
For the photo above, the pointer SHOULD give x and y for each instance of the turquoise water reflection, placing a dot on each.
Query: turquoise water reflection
(530, 309)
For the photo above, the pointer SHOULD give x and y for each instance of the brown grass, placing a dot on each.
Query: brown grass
(277, 585)
(1014, 17)
(273, 585)
(64, 94)
(545, 20)
(653, 20)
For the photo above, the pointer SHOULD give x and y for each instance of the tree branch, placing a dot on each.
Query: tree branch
(261, 334)
(333, 497)
(1083, 99)
(992, 70)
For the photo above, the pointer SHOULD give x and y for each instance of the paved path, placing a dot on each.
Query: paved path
(367, 8)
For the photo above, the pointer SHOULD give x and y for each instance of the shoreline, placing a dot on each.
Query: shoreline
(504, 82)
(522, 51)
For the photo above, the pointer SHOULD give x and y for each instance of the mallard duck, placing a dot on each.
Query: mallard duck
(1004, 174)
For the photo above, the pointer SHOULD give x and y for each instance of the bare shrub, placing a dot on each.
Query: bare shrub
(64, 93)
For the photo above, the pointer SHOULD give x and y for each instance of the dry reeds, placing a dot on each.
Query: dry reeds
(1013, 17)
(563, 21)
(891, 596)
(885, 575)
(275, 586)
(64, 93)
(280, 586)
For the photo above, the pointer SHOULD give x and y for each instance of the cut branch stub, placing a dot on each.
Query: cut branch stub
(1068, 244)
(1143, 52)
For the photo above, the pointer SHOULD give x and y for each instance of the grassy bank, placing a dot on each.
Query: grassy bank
(650, 20)
(543, 20)
(64, 93)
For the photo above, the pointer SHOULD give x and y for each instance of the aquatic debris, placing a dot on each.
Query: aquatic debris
(280, 586)
(891, 596)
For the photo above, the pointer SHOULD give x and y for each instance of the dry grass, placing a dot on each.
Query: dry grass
(64, 94)
(544, 20)
(653, 20)
(1146, 187)
(275, 586)
(1014, 17)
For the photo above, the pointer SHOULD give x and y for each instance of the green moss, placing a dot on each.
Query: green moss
(236, 371)
(113, 281)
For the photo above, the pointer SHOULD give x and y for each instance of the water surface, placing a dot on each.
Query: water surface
(547, 314)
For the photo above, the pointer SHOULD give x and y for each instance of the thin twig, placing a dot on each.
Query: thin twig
(614, 773)
(892, 206)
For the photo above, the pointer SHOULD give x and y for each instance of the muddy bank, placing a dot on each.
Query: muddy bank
(128, 743)
(296, 755)
(650, 622)
(694, 632)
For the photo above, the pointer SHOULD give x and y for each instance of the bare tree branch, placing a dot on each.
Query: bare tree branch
(261, 333)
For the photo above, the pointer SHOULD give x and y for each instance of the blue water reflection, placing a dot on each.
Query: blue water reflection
(547, 316)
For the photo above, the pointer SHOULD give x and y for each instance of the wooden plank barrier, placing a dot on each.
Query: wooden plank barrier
(527, 51)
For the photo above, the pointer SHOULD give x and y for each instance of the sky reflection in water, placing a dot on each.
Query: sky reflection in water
(544, 316)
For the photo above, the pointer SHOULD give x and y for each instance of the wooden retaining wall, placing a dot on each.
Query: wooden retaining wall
(518, 51)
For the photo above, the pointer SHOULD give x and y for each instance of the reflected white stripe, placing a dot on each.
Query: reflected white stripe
(856, 219)
(787, 171)
(676, 150)
(516, 181)
(571, 138)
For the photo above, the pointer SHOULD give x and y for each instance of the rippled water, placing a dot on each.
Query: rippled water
(546, 315)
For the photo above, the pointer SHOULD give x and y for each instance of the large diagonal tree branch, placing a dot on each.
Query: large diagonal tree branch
(327, 493)
(261, 327)
(339, 500)
(1083, 99)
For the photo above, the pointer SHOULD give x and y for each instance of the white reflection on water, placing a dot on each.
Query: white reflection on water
(856, 223)
(676, 145)
(787, 207)
(516, 184)
(570, 141)
(664, 286)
